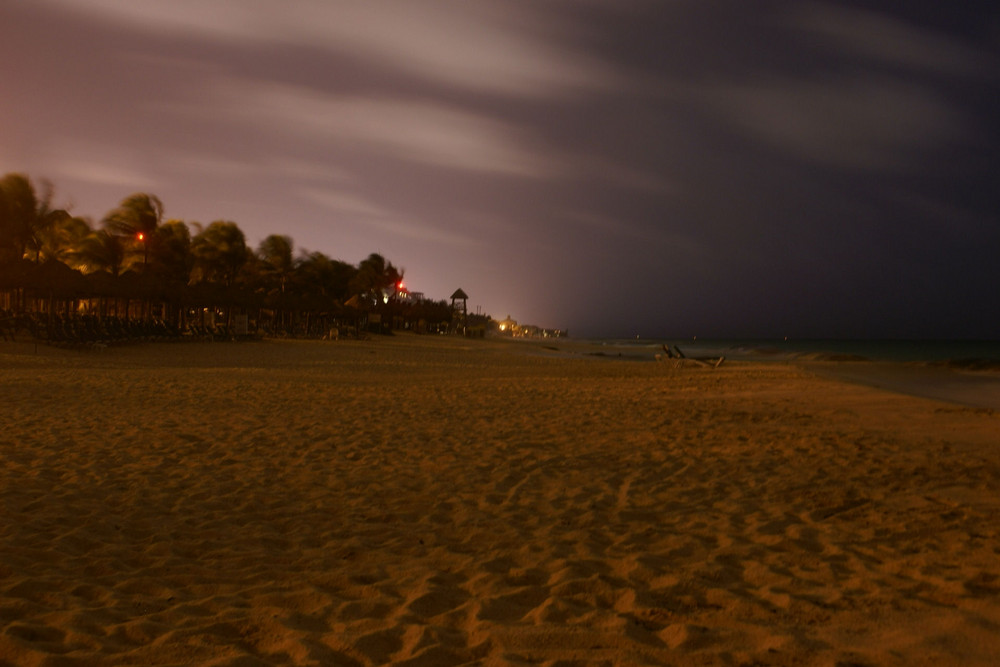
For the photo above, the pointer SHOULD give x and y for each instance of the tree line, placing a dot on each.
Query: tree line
(179, 264)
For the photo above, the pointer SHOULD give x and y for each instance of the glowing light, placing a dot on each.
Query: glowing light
(141, 236)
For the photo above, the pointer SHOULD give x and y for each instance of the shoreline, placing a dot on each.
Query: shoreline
(957, 382)
(980, 389)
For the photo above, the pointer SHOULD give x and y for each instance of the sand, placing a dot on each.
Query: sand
(431, 501)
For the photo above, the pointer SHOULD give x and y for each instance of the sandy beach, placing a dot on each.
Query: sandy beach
(436, 501)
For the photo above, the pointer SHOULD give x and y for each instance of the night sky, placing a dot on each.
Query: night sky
(665, 168)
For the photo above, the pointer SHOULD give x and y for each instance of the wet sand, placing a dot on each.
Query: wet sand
(433, 501)
(973, 388)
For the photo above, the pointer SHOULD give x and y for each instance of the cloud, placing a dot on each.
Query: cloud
(362, 211)
(495, 46)
(343, 202)
(204, 164)
(97, 165)
(419, 131)
(948, 217)
(855, 122)
(663, 236)
(881, 38)
(275, 167)
(310, 170)
(616, 173)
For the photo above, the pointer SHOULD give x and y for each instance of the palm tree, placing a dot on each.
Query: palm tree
(318, 274)
(277, 265)
(374, 277)
(220, 251)
(17, 204)
(137, 218)
(101, 250)
(62, 240)
(171, 262)
(171, 251)
(24, 216)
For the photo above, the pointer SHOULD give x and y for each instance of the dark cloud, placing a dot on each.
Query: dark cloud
(662, 168)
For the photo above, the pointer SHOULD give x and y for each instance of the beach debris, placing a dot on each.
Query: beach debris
(675, 354)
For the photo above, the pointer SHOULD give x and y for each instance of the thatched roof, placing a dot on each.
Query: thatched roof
(459, 294)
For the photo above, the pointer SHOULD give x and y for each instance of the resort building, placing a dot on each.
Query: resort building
(508, 327)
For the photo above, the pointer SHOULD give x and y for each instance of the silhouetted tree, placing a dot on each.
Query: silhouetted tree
(101, 250)
(318, 274)
(374, 279)
(277, 265)
(171, 252)
(137, 218)
(62, 240)
(172, 258)
(219, 250)
(25, 216)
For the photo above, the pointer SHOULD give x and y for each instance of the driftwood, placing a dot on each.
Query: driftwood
(679, 358)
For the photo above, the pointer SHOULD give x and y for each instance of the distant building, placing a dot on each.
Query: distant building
(508, 327)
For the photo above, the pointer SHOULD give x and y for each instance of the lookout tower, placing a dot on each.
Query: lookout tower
(459, 312)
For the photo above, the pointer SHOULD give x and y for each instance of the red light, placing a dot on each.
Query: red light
(141, 236)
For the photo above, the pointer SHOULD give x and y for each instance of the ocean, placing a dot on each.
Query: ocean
(776, 350)
(930, 369)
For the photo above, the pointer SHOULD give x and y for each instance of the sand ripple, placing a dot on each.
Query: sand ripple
(424, 502)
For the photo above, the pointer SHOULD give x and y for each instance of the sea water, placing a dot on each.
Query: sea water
(874, 350)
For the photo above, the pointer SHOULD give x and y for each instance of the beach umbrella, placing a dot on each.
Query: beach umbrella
(142, 285)
(14, 273)
(354, 303)
(101, 284)
(57, 279)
